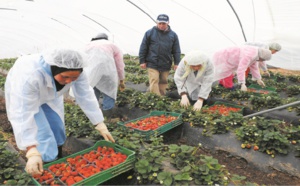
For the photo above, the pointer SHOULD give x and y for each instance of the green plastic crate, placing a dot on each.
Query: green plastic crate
(105, 174)
(229, 105)
(259, 90)
(148, 134)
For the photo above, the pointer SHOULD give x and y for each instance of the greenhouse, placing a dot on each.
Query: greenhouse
(237, 137)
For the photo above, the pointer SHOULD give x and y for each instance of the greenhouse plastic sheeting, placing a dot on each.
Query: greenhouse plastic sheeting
(34, 25)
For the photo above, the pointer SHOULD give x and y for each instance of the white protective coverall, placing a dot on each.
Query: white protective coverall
(36, 110)
(197, 86)
(105, 66)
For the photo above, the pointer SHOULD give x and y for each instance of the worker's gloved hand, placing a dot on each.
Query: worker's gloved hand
(34, 163)
(266, 73)
(198, 105)
(122, 85)
(261, 83)
(243, 87)
(184, 101)
(101, 127)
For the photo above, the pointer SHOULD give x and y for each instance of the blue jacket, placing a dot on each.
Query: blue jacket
(158, 47)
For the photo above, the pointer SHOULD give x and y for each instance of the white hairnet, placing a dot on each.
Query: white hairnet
(66, 58)
(275, 46)
(264, 54)
(196, 58)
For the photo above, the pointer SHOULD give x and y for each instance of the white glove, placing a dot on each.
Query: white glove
(101, 127)
(266, 73)
(261, 83)
(184, 101)
(243, 87)
(122, 85)
(34, 163)
(71, 93)
(198, 105)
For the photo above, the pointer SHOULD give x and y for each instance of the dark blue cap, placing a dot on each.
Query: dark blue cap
(163, 18)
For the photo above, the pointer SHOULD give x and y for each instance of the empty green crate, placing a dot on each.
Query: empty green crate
(261, 90)
(105, 174)
(149, 133)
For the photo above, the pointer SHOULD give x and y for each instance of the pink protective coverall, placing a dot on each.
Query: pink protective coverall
(233, 60)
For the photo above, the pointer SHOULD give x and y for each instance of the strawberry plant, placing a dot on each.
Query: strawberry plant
(156, 103)
(279, 77)
(280, 86)
(265, 133)
(134, 69)
(196, 168)
(295, 79)
(2, 82)
(189, 167)
(7, 63)
(137, 79)
(219, 91)
(265, 101)
(171, 85)
(221, 125)
(11, 172)
(128, 96)
(293, 90)
(237, 95)
(131, 60)
(77, 123)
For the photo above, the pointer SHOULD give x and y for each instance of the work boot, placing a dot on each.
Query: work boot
(60, 152)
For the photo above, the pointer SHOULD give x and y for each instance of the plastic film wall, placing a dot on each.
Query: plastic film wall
(30, 26)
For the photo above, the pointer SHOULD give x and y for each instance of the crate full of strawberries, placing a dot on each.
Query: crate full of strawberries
(258, 90)
(223, 108)
(153, 124)
(91, 166)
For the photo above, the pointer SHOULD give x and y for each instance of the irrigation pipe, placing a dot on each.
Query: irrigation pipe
(272, 109)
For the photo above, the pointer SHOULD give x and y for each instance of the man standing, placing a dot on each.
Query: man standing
(160, 46)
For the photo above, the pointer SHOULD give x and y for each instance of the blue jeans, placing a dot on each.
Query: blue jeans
(51, 132)
(107, 103)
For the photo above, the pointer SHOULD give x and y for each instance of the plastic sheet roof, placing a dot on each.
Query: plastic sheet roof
(34, 25)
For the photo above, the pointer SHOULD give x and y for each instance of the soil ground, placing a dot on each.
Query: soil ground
(284, 72)
(235, 165)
